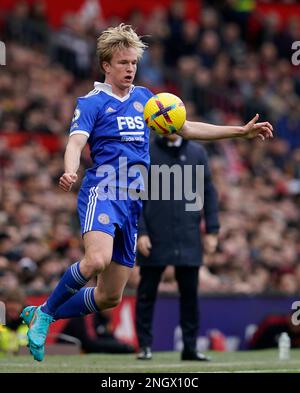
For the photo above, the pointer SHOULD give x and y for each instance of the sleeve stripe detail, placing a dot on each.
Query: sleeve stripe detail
(79, 132)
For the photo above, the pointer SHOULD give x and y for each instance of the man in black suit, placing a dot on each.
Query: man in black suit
(170, 235)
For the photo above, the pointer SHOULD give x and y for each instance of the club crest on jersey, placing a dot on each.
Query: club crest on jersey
(76, 114)
(138, 106)
(103, 218)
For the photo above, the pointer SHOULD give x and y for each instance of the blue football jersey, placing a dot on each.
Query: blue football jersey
(117, 134)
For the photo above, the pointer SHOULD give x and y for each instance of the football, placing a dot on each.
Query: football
(165, 113)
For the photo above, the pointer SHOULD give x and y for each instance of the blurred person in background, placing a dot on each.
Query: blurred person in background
(269, 329)
(179, 245)
(13, 334)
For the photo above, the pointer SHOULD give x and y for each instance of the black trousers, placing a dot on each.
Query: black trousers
(187, 279)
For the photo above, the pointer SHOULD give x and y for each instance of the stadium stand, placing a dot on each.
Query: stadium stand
(225, 71)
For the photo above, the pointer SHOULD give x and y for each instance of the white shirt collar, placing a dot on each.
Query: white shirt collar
(106, 87)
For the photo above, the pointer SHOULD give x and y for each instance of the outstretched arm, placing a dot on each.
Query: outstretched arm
(73, 151)
(205, 131)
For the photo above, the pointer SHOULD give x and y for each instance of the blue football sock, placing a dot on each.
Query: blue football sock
(70, 283)
(81, 304)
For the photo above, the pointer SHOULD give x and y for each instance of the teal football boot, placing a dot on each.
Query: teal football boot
(27, 314)
(38, 353)
(38, 327)
(38, 323)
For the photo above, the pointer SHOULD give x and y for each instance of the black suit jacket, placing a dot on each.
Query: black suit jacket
(175, 232)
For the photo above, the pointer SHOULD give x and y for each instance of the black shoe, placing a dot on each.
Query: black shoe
(194, 355)
(145, 354)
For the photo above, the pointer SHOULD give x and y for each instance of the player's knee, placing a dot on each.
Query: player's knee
(108, 300)
(113, 300)
(95, 263)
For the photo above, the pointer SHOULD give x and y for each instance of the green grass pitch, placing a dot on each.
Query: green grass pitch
(265, 361)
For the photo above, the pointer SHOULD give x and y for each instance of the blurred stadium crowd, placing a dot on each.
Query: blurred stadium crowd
(226, 67)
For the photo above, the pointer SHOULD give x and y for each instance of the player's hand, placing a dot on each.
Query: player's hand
(261, 130)
(144, 245)
(210, 243)
(67, 180)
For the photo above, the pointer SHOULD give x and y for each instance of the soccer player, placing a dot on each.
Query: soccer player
(110, 120)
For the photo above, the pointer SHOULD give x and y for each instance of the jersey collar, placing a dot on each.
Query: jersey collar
(106, 87)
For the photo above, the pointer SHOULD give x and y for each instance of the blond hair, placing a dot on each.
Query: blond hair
(120, 37)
